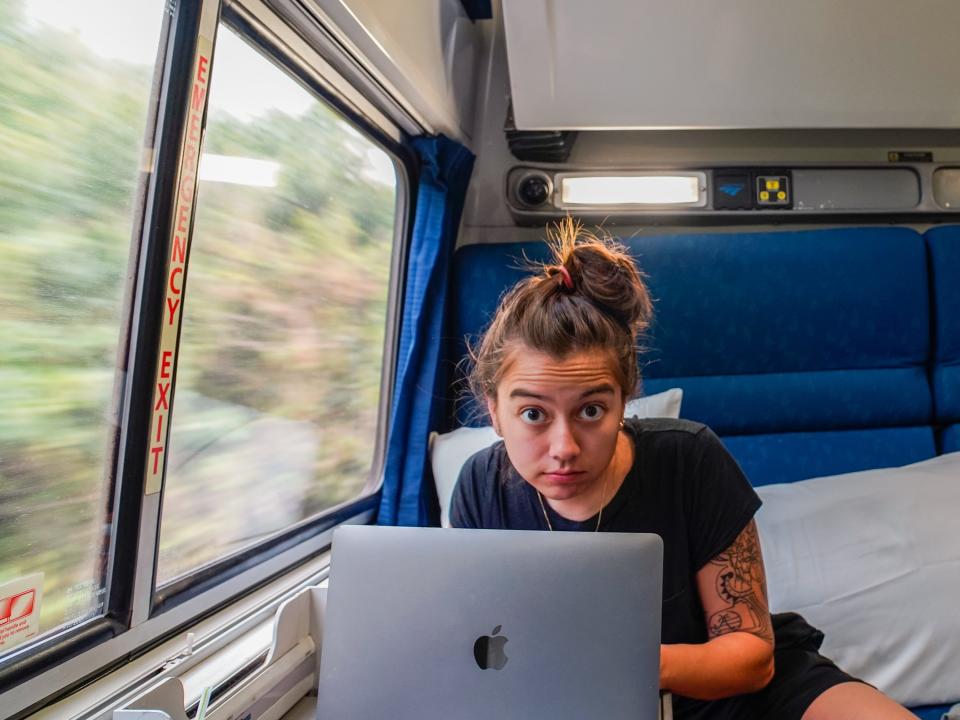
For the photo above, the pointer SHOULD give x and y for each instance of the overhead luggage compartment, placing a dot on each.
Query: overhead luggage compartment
(678, 64)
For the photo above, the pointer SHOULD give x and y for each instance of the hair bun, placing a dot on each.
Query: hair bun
(603, 272)
(591, 296)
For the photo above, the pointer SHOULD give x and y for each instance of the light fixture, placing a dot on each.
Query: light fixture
(639, 189)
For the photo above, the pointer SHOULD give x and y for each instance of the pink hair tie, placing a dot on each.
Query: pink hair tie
(567, 280)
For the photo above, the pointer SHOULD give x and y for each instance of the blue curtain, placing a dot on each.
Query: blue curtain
(478, 9)
(444, 173)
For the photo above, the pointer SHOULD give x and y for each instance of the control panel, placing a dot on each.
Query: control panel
(773, 191)
(736, 189)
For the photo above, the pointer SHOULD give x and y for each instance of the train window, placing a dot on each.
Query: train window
(75, 103)
(276, 406)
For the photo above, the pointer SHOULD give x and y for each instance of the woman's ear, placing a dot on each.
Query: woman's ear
(492, 412)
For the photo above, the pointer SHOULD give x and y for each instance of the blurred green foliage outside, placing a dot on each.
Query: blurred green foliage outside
(283, 327)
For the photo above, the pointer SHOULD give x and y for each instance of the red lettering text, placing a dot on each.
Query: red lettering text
(190, 155)
(159, 427)
(179, 249)
(194, 133)
(201, 69)
(182, 217)
(173, 275)
(198, 94)
(156, 450)
(165, 363)
(186, 189)
(162, 400)
(172, 305)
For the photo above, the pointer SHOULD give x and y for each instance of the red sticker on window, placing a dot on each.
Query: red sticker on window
(20, 609)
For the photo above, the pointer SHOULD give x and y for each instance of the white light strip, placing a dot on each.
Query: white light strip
(238, 170)
(630, 190)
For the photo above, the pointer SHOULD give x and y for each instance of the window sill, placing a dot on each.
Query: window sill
(210, 652)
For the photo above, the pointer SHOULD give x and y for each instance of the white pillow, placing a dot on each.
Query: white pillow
(873, 559)
(449, 451)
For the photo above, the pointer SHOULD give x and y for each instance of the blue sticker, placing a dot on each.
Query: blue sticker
(732, 189)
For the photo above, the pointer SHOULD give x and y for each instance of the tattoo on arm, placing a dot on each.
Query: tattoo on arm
(742, 586)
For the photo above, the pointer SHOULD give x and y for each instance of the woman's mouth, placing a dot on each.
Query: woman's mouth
(564, 476)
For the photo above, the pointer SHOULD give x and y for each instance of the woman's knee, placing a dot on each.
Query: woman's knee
(855, 701)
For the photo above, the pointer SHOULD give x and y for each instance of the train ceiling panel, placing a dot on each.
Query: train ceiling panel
(644, 64)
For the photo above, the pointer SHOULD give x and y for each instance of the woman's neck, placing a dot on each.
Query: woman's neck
(588, 504)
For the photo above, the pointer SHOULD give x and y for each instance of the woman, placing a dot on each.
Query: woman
(555, 369)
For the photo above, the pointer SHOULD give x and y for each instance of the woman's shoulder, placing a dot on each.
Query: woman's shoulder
(480, 472)
(665, 437)
(658, 429)
(475, 495)
(486, 457)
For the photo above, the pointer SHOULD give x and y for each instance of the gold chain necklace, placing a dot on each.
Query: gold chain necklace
(603, 496)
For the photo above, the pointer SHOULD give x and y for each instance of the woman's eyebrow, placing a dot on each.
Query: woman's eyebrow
(520, 392)
(602, 388)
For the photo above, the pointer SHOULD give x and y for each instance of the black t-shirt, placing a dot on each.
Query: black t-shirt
(683, 485)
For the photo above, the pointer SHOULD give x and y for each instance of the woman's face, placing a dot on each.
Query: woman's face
(559, 419)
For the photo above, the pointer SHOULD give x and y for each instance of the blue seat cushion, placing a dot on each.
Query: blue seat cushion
(825, 400)
(944, 245)
(788, 457)
(951, 439)
(748, 303)
(785, 332)
(766, 332)
(930, 712)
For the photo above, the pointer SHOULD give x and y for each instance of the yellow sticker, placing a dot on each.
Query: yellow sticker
(781, 195)
(764, 195)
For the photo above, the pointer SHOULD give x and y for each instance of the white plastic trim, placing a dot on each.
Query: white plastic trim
(289, 673)
(164, 701)
(97, 700)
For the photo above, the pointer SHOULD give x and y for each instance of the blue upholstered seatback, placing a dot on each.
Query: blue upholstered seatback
(807, 351)
(951, 439)
(944, 245)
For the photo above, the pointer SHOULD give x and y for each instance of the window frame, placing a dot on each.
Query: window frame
(176, 47)
(209, 575)
(139, 616)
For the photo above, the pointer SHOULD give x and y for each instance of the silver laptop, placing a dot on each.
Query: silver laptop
(426, 623)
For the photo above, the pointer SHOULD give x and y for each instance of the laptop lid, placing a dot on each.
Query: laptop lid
(437, 623)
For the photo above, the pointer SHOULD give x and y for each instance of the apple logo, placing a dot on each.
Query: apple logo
(488, 650)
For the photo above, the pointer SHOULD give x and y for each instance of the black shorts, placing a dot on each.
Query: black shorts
(801, 674)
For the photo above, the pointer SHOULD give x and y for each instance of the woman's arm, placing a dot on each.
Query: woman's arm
(738, 656)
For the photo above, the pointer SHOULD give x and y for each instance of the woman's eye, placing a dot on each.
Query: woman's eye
(592, 412)
(532, 416)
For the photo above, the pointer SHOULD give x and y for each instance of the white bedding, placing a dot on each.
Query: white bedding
(873, 559)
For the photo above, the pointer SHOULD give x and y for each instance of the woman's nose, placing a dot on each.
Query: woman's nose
(563, 445)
